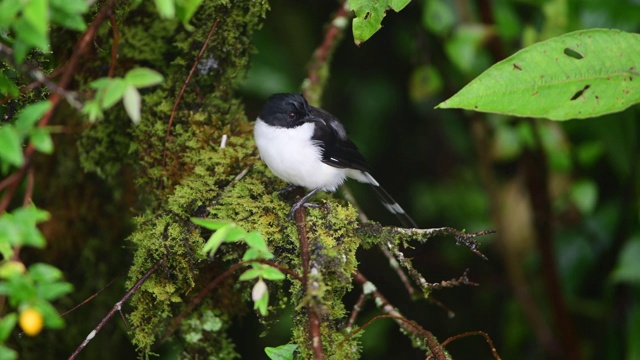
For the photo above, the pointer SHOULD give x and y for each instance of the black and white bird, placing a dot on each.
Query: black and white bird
(307, 146)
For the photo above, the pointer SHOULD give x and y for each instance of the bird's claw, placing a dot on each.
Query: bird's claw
(295, 207)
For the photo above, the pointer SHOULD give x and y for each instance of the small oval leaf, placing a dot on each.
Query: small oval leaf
(10, 149)
(41, 140)
(143, 77)
(132, 103)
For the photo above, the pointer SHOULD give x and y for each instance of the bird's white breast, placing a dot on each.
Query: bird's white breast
(291, 155)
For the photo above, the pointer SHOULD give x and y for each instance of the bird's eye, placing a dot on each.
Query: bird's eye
(292, 116)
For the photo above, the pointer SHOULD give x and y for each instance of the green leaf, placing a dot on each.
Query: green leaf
(8, 87)
(271, 273)
(11, 267)
(253, 254)
(132, 103)
(41, 140)
(8, 12)
(584, 194)
(143, 77)
(216, 239)
(10, 147)
(25, 32)
(7, 354)
(99, 83)
(31, 114)
(397, 5)
(70, 6)
(44, 273)
(70, 21)
(368, 19)
(25, 220)
(628, 267)
(54, 290)
(465, 48)
(7, 323)
(425, 83)
(438, 16)
(113, 92)
(185, 9)
(10, 235)
(255, 240)
(20, 50)
(577, 75)
(166, 8)
(282, 352)
(250, 274)
(18, 289)
(92, 109)
(209, 223)
(369, 15)
(35, 13)
(51, 318)
(235, 234)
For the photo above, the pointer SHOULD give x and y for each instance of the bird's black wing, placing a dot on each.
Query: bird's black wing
(337, 150)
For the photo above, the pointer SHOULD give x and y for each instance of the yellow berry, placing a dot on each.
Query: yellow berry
(31, 322)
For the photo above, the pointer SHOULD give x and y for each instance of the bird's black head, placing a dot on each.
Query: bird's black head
(287, 111)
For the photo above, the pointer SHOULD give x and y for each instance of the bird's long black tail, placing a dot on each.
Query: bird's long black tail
(393, 207)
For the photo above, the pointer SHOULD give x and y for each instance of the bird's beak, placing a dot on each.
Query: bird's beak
(312, 118)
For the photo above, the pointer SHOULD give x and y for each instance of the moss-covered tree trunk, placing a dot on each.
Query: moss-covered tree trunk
(178, 164)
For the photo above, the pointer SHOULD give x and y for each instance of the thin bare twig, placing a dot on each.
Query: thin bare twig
(114, 309)
(28, 192)
(356, 310)
(90, 297)
(486, 336)
(184, 87)
(114, 45)
(422, 282)
(410, 326)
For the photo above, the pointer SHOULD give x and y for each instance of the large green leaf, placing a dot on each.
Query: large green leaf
(577, 75)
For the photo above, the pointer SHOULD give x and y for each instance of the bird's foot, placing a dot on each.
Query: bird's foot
(297, 205)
